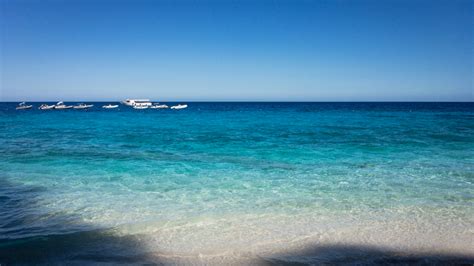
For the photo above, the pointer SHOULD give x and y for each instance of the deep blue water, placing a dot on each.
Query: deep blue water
(222, 173)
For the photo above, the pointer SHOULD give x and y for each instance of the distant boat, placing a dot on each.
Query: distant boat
(179, 106)
(110, 106)
(83, 106)
(61, 106)
(137, 102)
(23, 106)
(140, 107)
(159, 106)
(46, 107)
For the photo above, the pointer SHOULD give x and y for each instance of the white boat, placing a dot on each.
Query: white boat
(83, 106)
(137, 102)
(159, 106)
(46, 107)
(23, 106)
(110, 106)
(140, 107)
(61, 106)
(179, 106)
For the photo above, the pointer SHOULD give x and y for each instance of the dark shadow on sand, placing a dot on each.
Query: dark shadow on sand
(364, 255)
(58, 239)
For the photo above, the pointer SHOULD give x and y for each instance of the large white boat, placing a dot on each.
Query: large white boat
(137, 102)
(110, 106)
(83, 106)
(23, 106)
(179, 106)
(46, 107)
(61, 106)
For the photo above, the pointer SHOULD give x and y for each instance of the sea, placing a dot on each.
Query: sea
(243, 183)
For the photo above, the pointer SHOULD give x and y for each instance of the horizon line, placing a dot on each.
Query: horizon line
(254, 101)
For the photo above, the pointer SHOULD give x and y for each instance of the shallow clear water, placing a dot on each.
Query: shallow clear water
(245, 178)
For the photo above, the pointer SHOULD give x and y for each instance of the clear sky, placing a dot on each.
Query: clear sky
(340, 50)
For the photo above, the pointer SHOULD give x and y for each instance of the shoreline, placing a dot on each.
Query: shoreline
(216, 241)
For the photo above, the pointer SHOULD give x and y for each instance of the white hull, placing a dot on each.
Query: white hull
(46, 107)
(24, 107)
(62, 107)
(179, 106)
(163, 106)
(140, 107)
(109, 106)
(83, 106)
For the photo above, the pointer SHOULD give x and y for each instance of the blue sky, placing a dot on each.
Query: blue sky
(340, 50)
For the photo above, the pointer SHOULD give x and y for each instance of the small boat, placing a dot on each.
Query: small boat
(110, 106)
(179, 106)
(46, 107)
(83, 106)
(140, 107)
(23, 106)
(159, 106)
(61, 106)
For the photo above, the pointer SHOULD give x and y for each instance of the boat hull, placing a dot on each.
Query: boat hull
(159, 107)
(177, 107)
(24, 107)
(62, 107)
(48, 107)
(83, 106)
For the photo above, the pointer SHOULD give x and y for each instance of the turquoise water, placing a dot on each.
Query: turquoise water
(246, 178)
